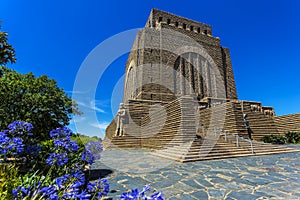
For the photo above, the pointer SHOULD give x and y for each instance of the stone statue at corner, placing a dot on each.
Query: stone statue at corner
(120, 120)
(247, 126)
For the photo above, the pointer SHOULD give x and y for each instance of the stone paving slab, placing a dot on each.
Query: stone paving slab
(257, 177)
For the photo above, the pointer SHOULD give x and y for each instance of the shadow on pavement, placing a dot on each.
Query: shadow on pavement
(99, 173)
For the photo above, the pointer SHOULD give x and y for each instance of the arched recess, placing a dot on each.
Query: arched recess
(192, 75)
(130, 81)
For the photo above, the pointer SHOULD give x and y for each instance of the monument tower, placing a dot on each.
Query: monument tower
(179, 88)
(152, 47)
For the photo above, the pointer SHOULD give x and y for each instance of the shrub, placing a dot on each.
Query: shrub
(60, 174)
(35, 99)
(9, 179)
(275, 139)
(293, 137)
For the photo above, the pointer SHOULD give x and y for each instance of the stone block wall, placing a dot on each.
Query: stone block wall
(287, 123)
(155, 52)
(260, 123)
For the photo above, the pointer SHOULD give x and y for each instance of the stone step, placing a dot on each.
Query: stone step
(213, 155)
(222, 149)
(219, 148)
(205, 150)
(232, 156)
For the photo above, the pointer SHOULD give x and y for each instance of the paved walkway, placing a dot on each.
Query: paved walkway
(257, 177)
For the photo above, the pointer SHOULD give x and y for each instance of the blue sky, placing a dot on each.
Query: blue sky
(54, 38)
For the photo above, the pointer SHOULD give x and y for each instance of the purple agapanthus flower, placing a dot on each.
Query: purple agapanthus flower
(60, 181)
(20, 128)
(57, 158)
(87, 157)
(99, 188)
(66, 144)
(83, 195)
(61, 132)
(17, 144)
(136, 194)
(79, 175)
(4, 142)
(10, 145)
(94, 148)
(157, 196)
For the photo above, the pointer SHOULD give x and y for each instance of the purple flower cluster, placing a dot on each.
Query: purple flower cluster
(64, 152)
(12, 139)
(10, 146)
(20, 128)
(94, 148)
(63, 145)
(61, 132)
(99, 188)
(69, 186)
(73, 184)
(136, 194)
(66, 143)
(91, 152)
(60, 159)
(47, 192)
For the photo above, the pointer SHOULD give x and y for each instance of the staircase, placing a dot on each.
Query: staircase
(170, 131)
(229, 115)
(125, 142)
(260, 123)
(233, 111)
(173, 123)
(218, 147)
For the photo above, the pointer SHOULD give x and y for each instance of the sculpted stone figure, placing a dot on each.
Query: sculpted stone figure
(120, 120)
(247, 126)
(255, 108)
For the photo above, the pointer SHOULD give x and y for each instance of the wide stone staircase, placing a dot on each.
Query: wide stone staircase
(219, 146)
(233, 111)
(125, 142)
(165, 123)
(169, 130)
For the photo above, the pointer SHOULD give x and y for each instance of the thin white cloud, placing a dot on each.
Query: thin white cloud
(77, 92)
(101, 125)
(77, 119)
(91, 105)
(102, 103)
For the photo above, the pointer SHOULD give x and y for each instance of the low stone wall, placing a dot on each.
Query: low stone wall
(110, 130)
(287, 123)
(260, 123)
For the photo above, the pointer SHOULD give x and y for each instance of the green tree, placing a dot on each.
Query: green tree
(37, 100)
(7, 52)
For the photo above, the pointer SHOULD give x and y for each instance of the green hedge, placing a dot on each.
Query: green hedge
(293, 137)
(275, 139)
(288, 138)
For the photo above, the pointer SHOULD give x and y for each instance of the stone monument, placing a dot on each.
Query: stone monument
(180, 82)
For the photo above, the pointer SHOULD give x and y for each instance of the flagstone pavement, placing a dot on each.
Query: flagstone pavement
(257, 177)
